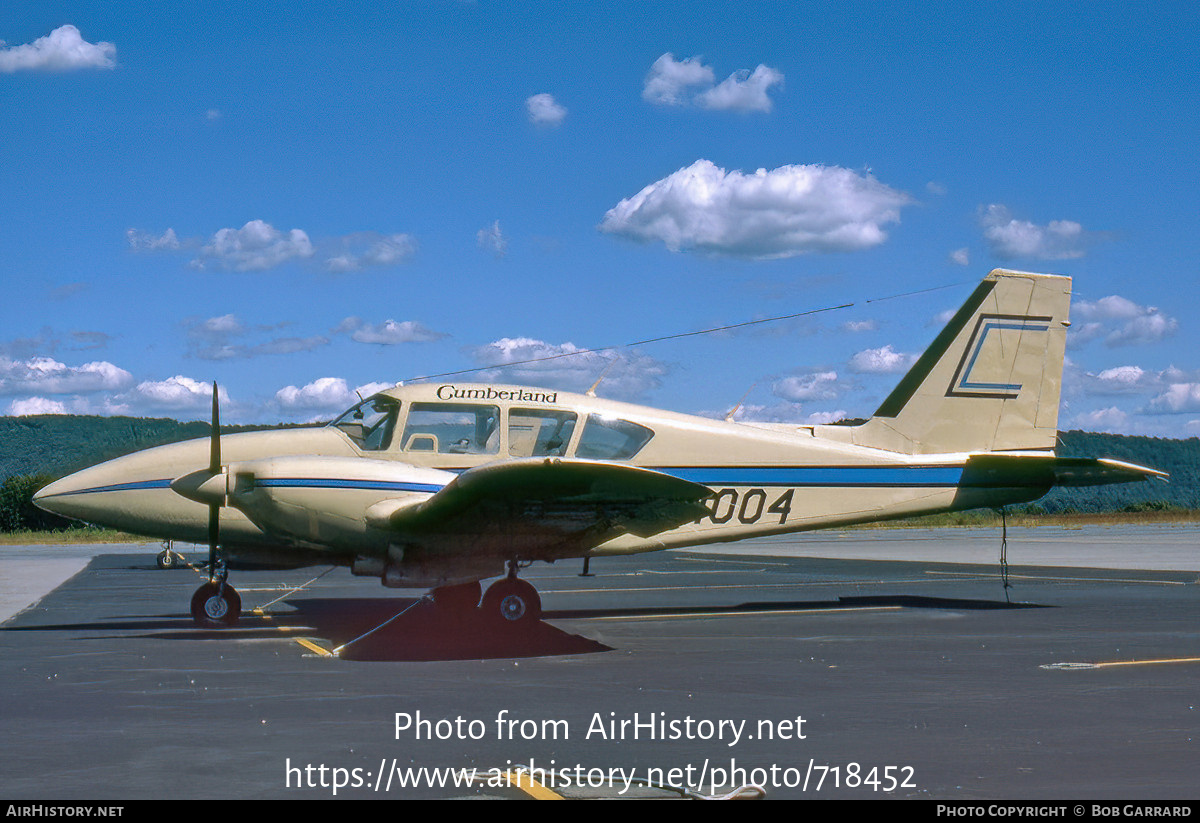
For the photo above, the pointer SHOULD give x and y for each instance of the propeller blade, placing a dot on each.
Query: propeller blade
(214, 454)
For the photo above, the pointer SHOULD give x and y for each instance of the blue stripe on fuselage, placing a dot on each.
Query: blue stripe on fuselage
(137, 485)
(827, 476)
(337, 483)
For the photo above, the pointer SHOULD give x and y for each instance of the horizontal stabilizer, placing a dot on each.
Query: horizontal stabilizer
(1086, 471)
(1026, 470)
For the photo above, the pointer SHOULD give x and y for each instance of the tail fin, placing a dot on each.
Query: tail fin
(990, 381)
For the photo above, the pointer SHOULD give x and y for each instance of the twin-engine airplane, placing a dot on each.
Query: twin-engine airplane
(441, 485)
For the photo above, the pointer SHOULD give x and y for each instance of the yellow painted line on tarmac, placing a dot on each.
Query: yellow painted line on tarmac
(531, 787)
(1112, 663)
(313, 647)
(1147, 662)
(305, 642)
(686, 616)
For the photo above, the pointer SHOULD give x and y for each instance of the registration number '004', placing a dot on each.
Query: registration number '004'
(748, 507)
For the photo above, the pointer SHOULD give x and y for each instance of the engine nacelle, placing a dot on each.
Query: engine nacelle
(408, 567)
(324, 500)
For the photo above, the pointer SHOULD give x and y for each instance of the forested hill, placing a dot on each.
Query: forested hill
(56, 445)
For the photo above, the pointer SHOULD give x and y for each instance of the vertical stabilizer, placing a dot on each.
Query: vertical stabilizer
(990, 381)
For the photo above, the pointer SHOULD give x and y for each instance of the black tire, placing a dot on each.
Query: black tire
(512, 602)
(213, 608)
(167, 559)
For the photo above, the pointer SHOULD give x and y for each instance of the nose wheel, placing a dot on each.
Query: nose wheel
(216, 605)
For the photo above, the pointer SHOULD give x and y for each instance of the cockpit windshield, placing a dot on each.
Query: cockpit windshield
(371, 423)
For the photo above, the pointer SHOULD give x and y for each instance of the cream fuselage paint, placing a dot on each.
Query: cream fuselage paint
(765, 480)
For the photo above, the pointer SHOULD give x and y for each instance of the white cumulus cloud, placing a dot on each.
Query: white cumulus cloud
(1009, 238)
(670, 81)
(1179, 398)
(689, 82)
(323, 397)
(35, 405)
(814, 386)
(544, 110)
(884, 360)
(742, 91)
(1120, 380)
(256, 246)
(1110, 419)
(1121, 322)
(780, 213)
(178, 393)
(45, 375)
(627, 375)
(63, 49)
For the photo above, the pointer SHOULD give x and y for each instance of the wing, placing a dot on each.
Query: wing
(538, 506)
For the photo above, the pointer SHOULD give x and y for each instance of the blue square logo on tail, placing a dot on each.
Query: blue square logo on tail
(971, 378)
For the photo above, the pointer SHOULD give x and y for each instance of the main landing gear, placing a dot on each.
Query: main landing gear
(509, 602)
(514, 601)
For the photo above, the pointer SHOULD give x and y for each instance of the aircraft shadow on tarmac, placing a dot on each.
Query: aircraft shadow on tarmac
(387, 629)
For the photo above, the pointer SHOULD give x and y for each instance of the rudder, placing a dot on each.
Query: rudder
(990, 381)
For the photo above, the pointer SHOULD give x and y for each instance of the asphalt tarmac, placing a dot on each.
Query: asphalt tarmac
(793, 664)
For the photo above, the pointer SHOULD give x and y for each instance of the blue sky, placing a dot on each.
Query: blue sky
(304, 203)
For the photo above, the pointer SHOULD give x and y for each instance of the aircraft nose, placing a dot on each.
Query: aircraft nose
(57, 496)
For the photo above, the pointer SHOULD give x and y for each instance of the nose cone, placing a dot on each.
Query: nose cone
(89, 495)
(57, 497)
(47, 497)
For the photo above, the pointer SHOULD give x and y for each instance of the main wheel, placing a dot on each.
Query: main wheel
(513, 602)
(214, 608)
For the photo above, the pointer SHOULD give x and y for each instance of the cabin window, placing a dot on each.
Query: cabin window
(607, 438)
(452, 428)
(371, 423)
(538, 432)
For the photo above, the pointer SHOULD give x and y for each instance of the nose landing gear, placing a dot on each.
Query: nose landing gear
(216, 604)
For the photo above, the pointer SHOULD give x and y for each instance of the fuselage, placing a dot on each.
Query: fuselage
(765, 479)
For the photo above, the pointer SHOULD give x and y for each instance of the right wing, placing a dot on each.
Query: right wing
(547, 505)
